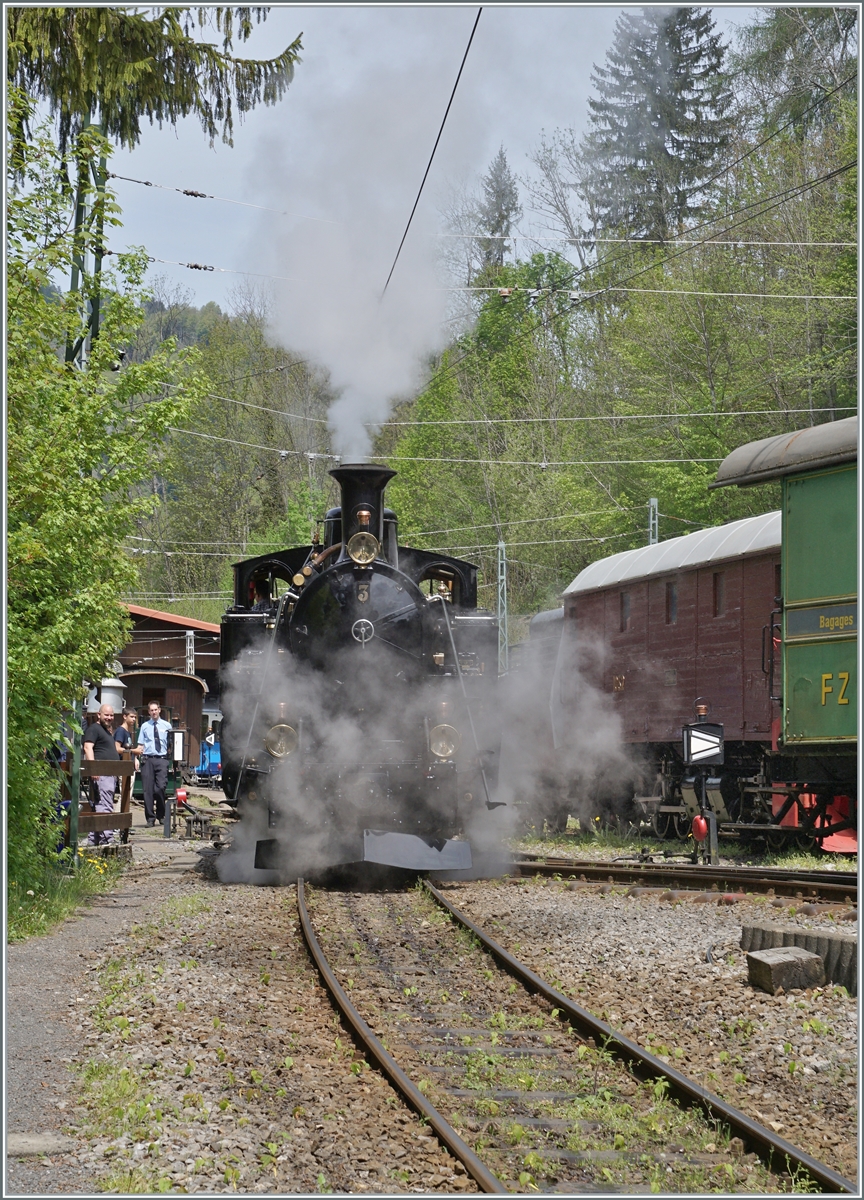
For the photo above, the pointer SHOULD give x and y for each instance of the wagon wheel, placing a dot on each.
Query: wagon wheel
(778, 840)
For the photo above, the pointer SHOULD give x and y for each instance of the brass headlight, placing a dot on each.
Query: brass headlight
(444, 741)
(363, 548)
(281, 741)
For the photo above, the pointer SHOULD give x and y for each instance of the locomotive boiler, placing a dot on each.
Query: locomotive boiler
(358, 680)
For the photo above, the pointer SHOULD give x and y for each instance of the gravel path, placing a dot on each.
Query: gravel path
(640, 963)
(194, 1050)
(48, 983)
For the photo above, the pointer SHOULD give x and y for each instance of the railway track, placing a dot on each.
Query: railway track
(839, 887)
(544, 1103)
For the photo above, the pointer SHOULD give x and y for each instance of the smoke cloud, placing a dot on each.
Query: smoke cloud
(360, 716)
(362, 173)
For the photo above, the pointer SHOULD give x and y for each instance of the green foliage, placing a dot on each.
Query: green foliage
(128, 65)
(223, 493)
(790, 57)
(79, 444)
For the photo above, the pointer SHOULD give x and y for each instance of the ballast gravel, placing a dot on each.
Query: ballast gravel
(216, 1063)
(671, 975)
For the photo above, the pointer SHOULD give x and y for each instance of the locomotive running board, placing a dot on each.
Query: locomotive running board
(414, 853)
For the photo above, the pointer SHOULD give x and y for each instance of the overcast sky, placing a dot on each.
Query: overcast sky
(383, 74)
(344, 153)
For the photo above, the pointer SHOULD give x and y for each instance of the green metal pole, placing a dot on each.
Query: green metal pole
(75, 783)
(99, 178)
(73, 348)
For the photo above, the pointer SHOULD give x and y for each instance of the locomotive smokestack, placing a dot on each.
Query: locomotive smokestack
(362, 486)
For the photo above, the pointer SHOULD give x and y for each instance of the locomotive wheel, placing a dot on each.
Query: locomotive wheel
(556, 822)
(682, 825)
(662, 824)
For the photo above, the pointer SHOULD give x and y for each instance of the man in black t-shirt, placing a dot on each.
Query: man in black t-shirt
(99, 747)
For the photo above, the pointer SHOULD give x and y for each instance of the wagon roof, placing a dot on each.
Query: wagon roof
(753, 535)
(790, 453)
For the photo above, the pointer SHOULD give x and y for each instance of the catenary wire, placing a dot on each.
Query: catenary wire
(598, 512)
(192, 266)
(631, 241)
(591, 295)
(204, 196)
(756, 412)
(774, 133)
(434, 148)
(491, 462)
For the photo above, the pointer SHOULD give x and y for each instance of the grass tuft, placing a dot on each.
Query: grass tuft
(52, 896)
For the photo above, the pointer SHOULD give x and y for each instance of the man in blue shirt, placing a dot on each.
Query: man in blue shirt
(154, 748)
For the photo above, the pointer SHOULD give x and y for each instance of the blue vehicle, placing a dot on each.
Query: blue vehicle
(209, 769)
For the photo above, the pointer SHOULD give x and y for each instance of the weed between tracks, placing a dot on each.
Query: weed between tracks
(456, 1023)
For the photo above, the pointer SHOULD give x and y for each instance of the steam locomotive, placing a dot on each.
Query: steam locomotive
(358, 681)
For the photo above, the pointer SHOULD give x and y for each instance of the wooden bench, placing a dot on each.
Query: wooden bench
(90, 822)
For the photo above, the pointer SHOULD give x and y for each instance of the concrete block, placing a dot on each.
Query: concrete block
(786, 967)
(838, 951)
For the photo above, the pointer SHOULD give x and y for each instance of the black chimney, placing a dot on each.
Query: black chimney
(362, 486)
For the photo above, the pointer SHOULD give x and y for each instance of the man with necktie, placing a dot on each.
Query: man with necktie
(154, 748)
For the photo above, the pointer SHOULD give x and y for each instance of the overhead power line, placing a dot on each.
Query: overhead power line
(544, 465)
(634, 242)
(434, 148)
(588, 295)
(194, 266)
(756, 412)
(204, 196)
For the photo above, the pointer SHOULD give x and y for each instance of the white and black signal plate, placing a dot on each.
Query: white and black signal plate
(703, 743)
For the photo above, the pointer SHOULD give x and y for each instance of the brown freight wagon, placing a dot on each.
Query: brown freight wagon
(684, 620)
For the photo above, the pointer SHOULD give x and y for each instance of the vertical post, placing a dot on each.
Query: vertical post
(99, 178)
(75, 783)
(503, 646)
(190, 651)
(653, 522)
(74, 350)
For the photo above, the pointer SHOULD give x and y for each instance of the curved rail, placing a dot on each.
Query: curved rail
(828, 885)
(766, 1143)
(478, 1171)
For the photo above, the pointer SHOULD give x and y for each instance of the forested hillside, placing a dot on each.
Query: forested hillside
(688, 286)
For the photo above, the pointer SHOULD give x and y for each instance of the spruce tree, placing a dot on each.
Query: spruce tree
(118, 65)
(498, 210)
(658, 122)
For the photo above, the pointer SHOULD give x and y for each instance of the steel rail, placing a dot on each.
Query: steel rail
(832, 885)
(766, 1143)
(478, 1171)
